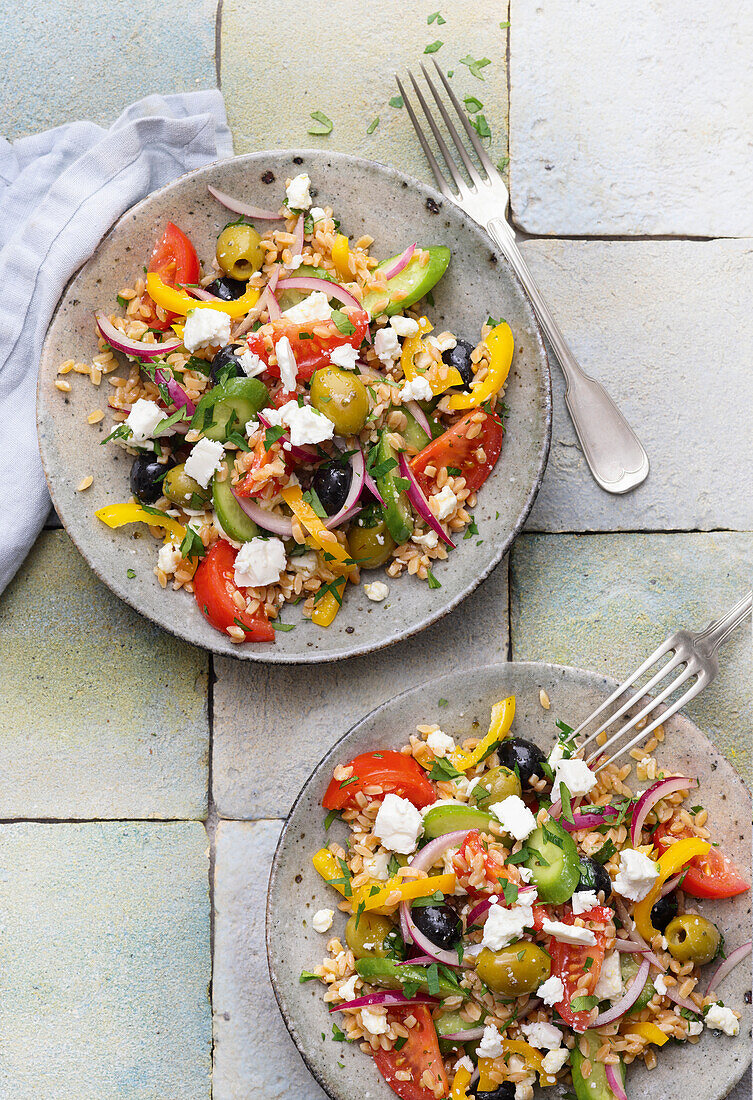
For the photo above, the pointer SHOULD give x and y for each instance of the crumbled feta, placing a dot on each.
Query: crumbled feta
(143, 419)
(251, 363)
(464, 1063)
(386, 345)
(404, 326)
(552, 991)
(542, 1035)
(374, 1021)
(514, 816)
(636, 876)
(418, 389)
(504, 926)
(443, 503)
(317, 214)
(287, 364)
(491, 1043)
(398, 825)
(169, 557)
(660, 985)
(206, 327)
(609, 985)
(313, 308)
(252, 427)
(376, 866)
(322, 920)
(293, 263)
(345, 356)
(348, 989)
(695, 1027)
(721, 1018)
(430, 540)
(260, 562)
(440, 743)
(569, 933)
(376, 591)
(557, 754)
(305, 564)
(525, 873)
(583, 900)
(306, 424)
(575, 774)
(297, 192)
(444, 342)
(464, 786)
(553, 1062)
(205, 457)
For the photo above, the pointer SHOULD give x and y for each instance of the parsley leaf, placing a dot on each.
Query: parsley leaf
(396, 101)
(442, 771)
(475, 65)
(472, 105)
(481, 126)
(567, 809)
(435, 17)
(434, 46)
(331, 816)
(433, 582)
(307, 976)
(284, 627)
(337, 1034)
(343, 324)
(130, 573)
(192, 546)
(272, 435)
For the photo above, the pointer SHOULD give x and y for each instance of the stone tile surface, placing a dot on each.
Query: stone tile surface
(253, 1053)
(106, 962)
(343, 63)
(273, 723)
(631, 126)
(607, 601)
(104, 714)
(666, 327)
(62, 61)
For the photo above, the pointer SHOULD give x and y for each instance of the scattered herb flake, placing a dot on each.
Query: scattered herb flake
(433, 47)
(475, 64)
(435, 17)
(343, 324)
(396, 101)
(372, 125)
(472, 105)
(320, 124)
(307, 976)
(331, 816)
(433, 582)
(130, 573)
(284, 627)
(442, 771)
(481, 126)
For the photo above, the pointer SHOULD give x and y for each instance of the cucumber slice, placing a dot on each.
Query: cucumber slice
(595, 1086)
(412, 283)
(413, 433)
(233, 519)
(397, 511)
(448, 819)
(229, 407)
(629, 968)
(557, 873)
(388, 975)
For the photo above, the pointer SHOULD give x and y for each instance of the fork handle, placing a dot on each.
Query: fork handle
(614, 453)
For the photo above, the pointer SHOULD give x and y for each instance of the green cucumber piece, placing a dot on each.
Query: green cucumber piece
(233, 519)
(629, 968)
(388, 975)
(595, 1086)
(413, 433)
(229, 407)
(447, 819)
(557, 873)
(397, 511)
(412, 283)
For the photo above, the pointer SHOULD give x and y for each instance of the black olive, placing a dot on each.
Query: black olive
(505, 1091)
(439, 923)
(331, 483)
(226, 361)
(146, 477)
(527, 757)
(664, 911)
(594, 877)
(459, 357)
(227, 289)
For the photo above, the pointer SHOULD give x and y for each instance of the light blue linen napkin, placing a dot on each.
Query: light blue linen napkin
(59, 194)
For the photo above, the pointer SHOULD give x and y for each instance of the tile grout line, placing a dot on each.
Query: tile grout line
(211, 828)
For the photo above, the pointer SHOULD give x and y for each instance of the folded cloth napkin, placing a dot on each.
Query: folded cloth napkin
(59, 194)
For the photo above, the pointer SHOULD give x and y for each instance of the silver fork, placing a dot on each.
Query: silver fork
(616, 457)
(693, 653)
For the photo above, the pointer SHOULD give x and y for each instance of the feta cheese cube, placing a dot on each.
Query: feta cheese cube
(504, 926)
(387, 345)
(514, 816)
(430, 540)
(583, 900)
(252, 427)
(313, 308)
(376, 591)
(418, 389)
(404, 326)
(169, 558)
(345, 356)
(205, 457)
(525, 873)
(297, 192)
(206, 327)
(322, 920)
(443, 503)
(569, 933)
(440, 743)
(553, 1062)
(398, 825)
(306, 424)
(721, 1018)
(542, 1035)
(636, 876)
(552, 991)
(260, 562)
(305, 564)
(143, 419)
(376, 866)
(464, 1063)
(374, 1020)
(293, 263)
(317, 214)
(251, 363)
(491, 1043)
(609, 985)
(660, 985)
(287, 364)
(575, 774)
(348, 989)
(695, 1027)
(557, 754)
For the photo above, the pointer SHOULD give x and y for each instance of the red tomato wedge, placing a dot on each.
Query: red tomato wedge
(711, 876)
(419, 1054)
(454, 449)
(214, 586)
(312, 343)
(248, 486)
(388, 769)
(174, 259)
(569, 963)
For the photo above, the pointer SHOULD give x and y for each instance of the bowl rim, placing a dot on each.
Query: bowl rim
(315, 656)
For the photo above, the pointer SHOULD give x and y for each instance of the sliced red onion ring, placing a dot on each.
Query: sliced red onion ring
(468, 1036)
(634, 935)
(400, 263)
(648, 800)
(628, 999)
(310, 282)
(178, 395)
(424, 861)
(297, 246)
(615, 1083)
(302, 454)
(270, 521)
(478, 911)
(728, 964)
(273, 306)
(628, 946)
(683, 1002)
(419, 501)
(243, 208)
(358, 470)
(141, 350)
(586, 820)
(267, 301)
(391, 1000)
(671, 884)
(418, 415)
(371, 485)
(200, 293)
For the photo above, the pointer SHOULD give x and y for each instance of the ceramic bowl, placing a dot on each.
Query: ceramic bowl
(461, 702)
(368, 198)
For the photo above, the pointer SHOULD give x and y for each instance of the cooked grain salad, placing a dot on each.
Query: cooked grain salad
(514, 917)
(293, 418)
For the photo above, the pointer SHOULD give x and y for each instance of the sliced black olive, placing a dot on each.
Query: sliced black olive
(146, 477)
(594, 877)
(226, 364)
(331, 483)
(523, 755)
(227, 289)
(459, 357)
(439, 923)
(505, 1091)
(664, 911)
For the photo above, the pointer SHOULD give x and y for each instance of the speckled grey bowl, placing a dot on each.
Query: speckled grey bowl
(368, 198)
(705, 1071)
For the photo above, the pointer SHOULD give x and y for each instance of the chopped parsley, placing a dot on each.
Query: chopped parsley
(331, 816)
(121, 432)
(567, 809)
(193, 547)
(435, 17)
(396, 101)
(475, 65)
(343, 324)
(604, 853)
(472, 105)
(481, 126)
(434, 46)
(130, 573)
(307, 976)
(372, 125)
(338, 1035)
(284, 627)
(122, 302)
(510, 892)
(433, 582)
(272, 435)
(442, 771)
(311, 497)
(320, 125)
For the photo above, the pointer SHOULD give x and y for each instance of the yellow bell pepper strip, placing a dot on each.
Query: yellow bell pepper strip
(306, 515)
(327, 607)
(648, 1031)
(340, 257)
(533, 1058)
(501, 346)
(328, 866)
(407, 888)
(460, 1083)
(502, 716)
(675, 857)
(177, 301)
(411, 348)
(116, 515)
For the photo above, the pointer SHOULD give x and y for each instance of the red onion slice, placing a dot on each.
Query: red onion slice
(358, 470)
(683, 1002)
(648, 800)
(615, 1083)
(391, 1000)
(401, 262)
(419, 416)
(243, 208)
(200, 293)
(468, 1036)
(419, 501)
(477, 911)
(629, 946)
(586, 820)
(671, 883)
(728, 964)
(311, 283)
(371, 485)
(423, 861)
(141, 350)
(178, 395)
(634, 935)
(628, 999)
(270, 521)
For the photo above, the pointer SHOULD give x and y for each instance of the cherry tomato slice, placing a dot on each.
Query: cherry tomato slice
(214, 585)
(174, 259)
(311, 346)
(248, 486)
(711, 876)
(454, 449)
(419, 1054)
(569, 964)
(388, 769)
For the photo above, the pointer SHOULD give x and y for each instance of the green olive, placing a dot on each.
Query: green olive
(370, 546)
(494, 786)
(182, 489)
(692, 939)
(239, 252)
(365, 934)
(517, 969)
(342, 396)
